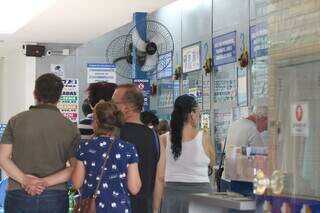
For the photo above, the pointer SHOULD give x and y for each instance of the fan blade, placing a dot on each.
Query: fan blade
(156, 38)
(150, 63)
(139, 43)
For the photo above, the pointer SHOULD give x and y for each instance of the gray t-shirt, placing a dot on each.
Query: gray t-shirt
(43, 140)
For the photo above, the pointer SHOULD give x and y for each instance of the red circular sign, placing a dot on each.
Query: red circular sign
(141, 86)
(299, 112)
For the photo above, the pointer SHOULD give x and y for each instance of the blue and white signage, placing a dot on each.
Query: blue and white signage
(164, 68)
(224, 49)
(101, 72)
(258, 40)
(144, 86)
(2, 128)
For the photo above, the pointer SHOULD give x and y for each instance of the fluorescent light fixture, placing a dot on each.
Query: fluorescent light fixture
(14, 14)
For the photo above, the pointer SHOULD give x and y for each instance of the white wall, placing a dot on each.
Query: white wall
(17, 77)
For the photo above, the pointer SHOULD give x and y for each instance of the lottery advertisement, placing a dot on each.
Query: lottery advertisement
(69, 101)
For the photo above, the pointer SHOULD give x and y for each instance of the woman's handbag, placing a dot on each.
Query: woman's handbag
(88, 205)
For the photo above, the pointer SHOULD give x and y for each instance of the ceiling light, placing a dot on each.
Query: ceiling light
(14, 14)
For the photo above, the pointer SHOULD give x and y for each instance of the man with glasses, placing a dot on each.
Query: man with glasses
(130, 101)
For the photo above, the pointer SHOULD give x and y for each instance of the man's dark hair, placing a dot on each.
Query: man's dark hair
(100, 91)
(149, 117)
(48, 88)
(132, 96)
(86, 108)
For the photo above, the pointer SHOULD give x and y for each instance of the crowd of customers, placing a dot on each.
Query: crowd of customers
(124, 159)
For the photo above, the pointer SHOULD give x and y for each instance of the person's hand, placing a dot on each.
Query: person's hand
(33, 185)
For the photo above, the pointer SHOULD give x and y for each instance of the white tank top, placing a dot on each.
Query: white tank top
(192, 164)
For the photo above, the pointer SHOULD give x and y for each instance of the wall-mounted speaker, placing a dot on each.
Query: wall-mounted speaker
(35, 50)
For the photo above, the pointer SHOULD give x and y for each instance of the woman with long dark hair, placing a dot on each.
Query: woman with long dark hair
(186, 153)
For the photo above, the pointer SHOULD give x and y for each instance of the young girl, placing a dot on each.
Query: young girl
(121, 171)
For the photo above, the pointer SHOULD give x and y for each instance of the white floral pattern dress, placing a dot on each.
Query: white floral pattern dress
(113, 195)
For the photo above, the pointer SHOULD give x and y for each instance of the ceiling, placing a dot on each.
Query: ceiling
(79, 21)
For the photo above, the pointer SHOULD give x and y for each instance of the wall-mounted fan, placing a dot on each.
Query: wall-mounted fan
(149, 51)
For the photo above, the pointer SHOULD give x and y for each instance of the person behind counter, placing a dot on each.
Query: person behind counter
(244, 133)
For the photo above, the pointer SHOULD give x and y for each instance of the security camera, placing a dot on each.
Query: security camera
(49, 52)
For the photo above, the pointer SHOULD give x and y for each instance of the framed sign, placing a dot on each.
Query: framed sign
(97, 72)
(258, 40)
(224, 49)
(191, 57)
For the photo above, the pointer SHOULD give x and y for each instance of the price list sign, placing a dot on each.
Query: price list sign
(69, 100)
(224, 90)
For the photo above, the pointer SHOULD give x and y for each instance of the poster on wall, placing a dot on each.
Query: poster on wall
(258, 40)
(240, 112)
(224, 90)
(242, 88)
(205, 121)
(101, 72)
(299, 119)
(164, 69)
(259, 79)
(165, 95)
(222, 121)
(2, 128)
(206, 93)
(191, 57)
(225, 84)
(224, 49)
(69, 100)
(57, 69)
(144, 86)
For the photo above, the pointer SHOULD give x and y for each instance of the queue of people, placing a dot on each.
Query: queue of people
(115, 158)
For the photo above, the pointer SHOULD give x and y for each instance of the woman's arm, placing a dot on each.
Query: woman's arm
(61, 176)
(159, 182)
(134, 181)
(78, 174)
(209, 148)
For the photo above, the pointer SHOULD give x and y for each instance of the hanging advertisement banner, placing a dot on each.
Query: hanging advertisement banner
(242, 88)
(101, 72)
(144, 86)
(164, 69)
(258, 40)
(69, 100)
(224, 49)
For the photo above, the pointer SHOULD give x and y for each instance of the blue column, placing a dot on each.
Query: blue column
(140, 20)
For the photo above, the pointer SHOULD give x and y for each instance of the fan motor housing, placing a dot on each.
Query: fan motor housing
(151, 48)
